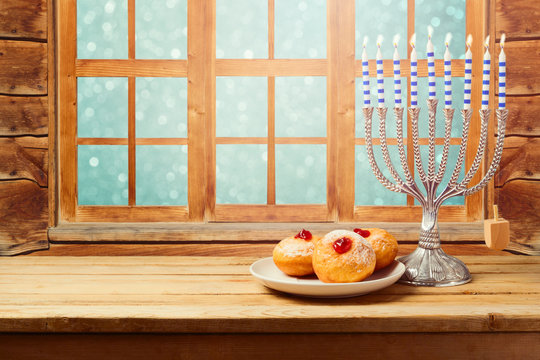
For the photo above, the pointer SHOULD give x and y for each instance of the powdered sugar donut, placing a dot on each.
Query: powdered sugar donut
(384, 244)
(293, 255)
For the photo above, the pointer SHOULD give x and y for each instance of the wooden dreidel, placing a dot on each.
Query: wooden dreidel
(496, 231)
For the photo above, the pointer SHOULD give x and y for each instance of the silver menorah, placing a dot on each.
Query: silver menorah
(429, 265)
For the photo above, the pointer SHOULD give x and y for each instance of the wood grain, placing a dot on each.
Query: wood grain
(520, 160)
(24, 68)
(25, 19)
(523, 116)
(522, 76)
(519, 19)
(24, 160)
(23, 116)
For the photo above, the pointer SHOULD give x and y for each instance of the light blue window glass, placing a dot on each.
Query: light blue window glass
(161, 29)
(457, 103)
(102, 29)
(161, 107)
(444, 16)
(300, 29)
(161, 175)
(301, 106)
(241, 29)
(102, 175)
(241, 106)
(386, 18)
(300, 174)
(241, 172)
(389, 98)
(367, 189)
(102, 107)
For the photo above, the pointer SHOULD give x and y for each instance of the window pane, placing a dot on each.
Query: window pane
(444, 16)
(300, 174)
(367, 189)
(301, 106)
(241, 29)
(161, 29)
(161, 175)
(102, 29)
(102, 107)
(103, 174)
(389, 98)
(241, 174)
(241, 106)
(386, 18)
(300, 29)
(161, 107)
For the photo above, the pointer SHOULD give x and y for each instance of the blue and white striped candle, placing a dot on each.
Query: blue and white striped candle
(431, 65)
(447, 74)
(468, 75)
(380, 78)
(365, 75)
(485, 76)
(502, 75)
(397, 74)
(414, 73)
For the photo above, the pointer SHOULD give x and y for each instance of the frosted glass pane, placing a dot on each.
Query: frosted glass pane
(161, 29)
(389, 98)
(457, 103)
(367, 189)
(445, 16)
(301, 106)
(241, 106)
(161, 175)
(102, 31)
(102, 107)
(386, 18)
(300, 174)
(241, 174)
(102, 174)
(241, 29)
(161, 107)
(300, 30)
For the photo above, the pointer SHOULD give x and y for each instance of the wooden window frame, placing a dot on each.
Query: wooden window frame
(341, 68)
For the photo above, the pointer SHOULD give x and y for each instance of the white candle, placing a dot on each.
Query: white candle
(380, 78)
(431, 65)
(485, 76)
(502, 75)
(397, 74)
(447, 74)
(365, 75)
(414, 73)
(468, 75)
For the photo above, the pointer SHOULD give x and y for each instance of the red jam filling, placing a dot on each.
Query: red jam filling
(362, 233)
(304, 234)
(342, 245)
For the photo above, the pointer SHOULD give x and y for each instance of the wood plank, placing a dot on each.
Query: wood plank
(271, 213)
(389, 214)
(271, 67)
(18, 162)
(522, 71)
(131, 67)
(458, 68)
(519, 19)
(24, 68)
(523, 116)
(51, 106)
(131, 213)
(23, 116)
(24, 19)
(520, 160)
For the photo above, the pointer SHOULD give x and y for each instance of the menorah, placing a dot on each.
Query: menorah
(429, 265)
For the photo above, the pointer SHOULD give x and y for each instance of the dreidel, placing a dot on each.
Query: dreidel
(496, 231)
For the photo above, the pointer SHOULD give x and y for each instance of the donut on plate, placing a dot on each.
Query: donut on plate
(384, 244)
(293, 255)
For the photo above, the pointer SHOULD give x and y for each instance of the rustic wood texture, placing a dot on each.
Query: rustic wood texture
(24, 160)
(24, 68)
(519, 19)
(521, 160)
(23, 116)
(523, 116)
(522, 76)
(23, 19)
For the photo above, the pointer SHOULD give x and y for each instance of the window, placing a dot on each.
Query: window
(239, 110)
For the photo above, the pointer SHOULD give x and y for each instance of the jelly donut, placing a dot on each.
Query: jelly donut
(343, 256)
(384, 244)
(293, 255)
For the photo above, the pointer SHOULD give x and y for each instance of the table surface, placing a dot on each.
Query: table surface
(172, 294)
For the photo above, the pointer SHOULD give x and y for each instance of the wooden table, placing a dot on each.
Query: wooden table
(211, 307)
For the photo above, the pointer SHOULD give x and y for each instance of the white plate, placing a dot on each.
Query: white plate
(267, 273)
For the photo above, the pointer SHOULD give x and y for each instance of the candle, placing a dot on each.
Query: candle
(380, 78)
(365, 75)
(414, 73)
(431, 65)
(447, 74)
(468, 75)
(485, 76)
(502, 75)
(397, 74)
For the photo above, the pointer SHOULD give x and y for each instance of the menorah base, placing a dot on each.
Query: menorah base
(433, 267)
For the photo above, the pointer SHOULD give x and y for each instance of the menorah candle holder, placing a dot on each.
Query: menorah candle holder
(429, 265)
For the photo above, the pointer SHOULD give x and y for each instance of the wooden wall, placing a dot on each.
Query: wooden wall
(26, 123)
